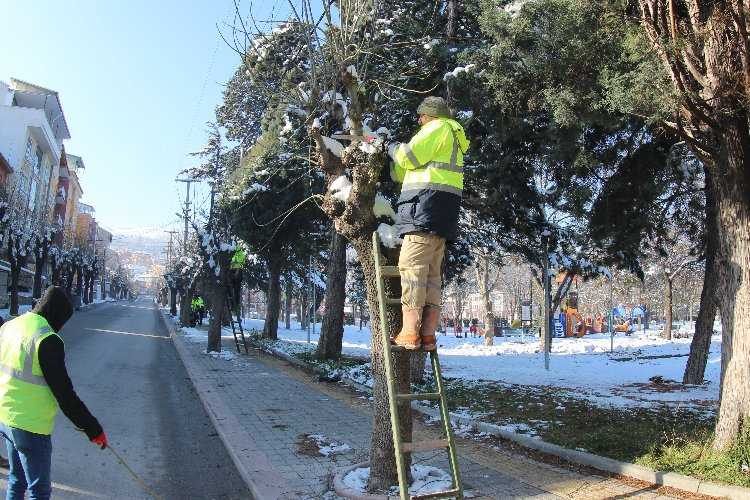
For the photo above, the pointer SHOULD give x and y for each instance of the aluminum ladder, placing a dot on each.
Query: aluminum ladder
(237, 331)
(394, 398)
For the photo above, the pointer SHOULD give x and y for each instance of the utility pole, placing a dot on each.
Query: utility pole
(547, 331)
(186, 211)
(170, 247)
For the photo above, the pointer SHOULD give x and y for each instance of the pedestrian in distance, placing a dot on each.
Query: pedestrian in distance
(34, 383)
(430, 169)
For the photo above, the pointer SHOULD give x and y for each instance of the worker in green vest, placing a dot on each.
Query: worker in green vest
(34, 383)
(430, 169)
(198, 306)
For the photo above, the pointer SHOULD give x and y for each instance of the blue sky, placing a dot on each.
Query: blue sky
(138, 80)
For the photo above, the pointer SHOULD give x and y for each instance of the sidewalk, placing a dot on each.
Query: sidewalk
(268, 409)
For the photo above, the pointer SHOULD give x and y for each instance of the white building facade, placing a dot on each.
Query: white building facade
(32, 131)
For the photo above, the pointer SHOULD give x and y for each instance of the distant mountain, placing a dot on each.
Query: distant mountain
(151, 240)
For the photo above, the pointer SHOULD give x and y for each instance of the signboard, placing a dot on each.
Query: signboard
(559, 328)
(526, 312)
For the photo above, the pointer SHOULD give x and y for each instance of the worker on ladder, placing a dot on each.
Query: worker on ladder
(430, 169)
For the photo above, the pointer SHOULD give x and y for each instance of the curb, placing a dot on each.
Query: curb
(659, 478)
(256, 471)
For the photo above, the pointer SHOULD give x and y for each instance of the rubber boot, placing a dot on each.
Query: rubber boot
(408, 337)
(430, 321)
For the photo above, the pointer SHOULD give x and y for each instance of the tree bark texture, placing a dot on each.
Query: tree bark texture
(172, 300)
(704, 325)
(482, 271)
(40, 261)
(287, 303)
(186, 302)
(15, 274)
(332, 328)
(704, 50)
(218, 313)
(667, 332)
(733, 201)
(304, 308)
(417, 363)
(273, 300)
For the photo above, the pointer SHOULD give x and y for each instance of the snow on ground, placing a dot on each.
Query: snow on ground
(197, 335)
(328, 447)
(583, 366)
(425, 479)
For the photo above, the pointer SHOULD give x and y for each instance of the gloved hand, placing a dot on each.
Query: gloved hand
(100, 440)
(392, 150)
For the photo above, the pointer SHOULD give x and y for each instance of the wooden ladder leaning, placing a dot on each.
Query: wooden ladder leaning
(237, 331)
(394, 398)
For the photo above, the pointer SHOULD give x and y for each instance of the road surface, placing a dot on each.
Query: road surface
(125, 368)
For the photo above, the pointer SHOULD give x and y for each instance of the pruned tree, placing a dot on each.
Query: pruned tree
(42, 242)
(703, 46)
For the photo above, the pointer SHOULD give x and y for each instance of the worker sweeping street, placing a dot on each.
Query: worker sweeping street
(430, 169)
(34, 382)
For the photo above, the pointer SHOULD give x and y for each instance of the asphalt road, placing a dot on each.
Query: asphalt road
(125, 368)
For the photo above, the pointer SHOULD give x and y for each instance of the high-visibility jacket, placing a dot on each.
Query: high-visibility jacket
(430, 168)
(197, 303)
(238, 259)
(26, 402)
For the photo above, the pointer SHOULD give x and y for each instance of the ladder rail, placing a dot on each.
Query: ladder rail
(230, 303)
(394, 398)
(403, 476)
(446, 418)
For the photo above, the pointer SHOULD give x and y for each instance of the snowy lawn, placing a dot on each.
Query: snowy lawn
(623, 378)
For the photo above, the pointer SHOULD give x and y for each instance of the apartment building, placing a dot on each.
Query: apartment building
(32, 131)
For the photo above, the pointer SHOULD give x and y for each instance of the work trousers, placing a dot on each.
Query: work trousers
(419, 264)
(30, 458)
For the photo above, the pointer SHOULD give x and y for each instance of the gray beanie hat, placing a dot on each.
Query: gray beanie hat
(434, 106)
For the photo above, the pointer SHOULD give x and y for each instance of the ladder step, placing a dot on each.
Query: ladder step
(419, 396)
(393, 301)
(433, 444)
(438, 494)
(390, 272)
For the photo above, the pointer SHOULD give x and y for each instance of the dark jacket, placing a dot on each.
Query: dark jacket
(428, 211)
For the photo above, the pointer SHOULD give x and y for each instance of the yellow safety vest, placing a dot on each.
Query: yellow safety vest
(26, 402)
(433, 158)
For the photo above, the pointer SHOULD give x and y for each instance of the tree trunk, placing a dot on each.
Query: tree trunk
(704, 325)
(39, 270)
(304, 303)
(383, 473)
(172, 300)
(482, 272)
(273, 301)
(732, 183)
(186, 309)
(218, 313)
(287, 303)
(79, 282)
(15, 273)
(417, 363)
(332, 328)
(667, 332)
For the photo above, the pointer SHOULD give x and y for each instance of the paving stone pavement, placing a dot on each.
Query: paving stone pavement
(279, 405)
